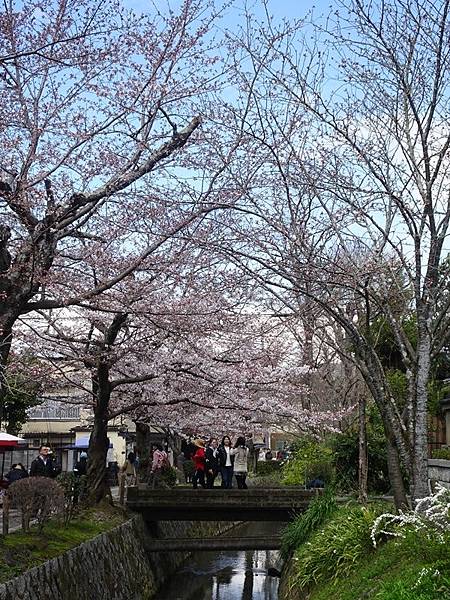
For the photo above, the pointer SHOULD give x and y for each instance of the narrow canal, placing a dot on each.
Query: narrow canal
(227, 575)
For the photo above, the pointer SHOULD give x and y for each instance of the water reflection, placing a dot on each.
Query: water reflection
(226, 575)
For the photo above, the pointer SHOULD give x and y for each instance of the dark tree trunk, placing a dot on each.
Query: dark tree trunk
(395, 476)
(143, 441)
(6, 325)
(97, 487)
(362, 454)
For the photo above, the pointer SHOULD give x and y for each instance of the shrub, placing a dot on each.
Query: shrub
(74, 487)
(431, 516)
(266, 481)
(310, 460)
(443, 453)
(268, 467)
(346, 457)
(37, 497)
(299, 531)
(144, 468)
(429, 577)
(332, 552)
(169, 477)
(188, 469)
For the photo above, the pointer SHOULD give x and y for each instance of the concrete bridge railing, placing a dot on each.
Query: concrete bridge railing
(184, 504)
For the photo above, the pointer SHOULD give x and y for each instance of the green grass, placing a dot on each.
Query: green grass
(414, 568)
(20, 551)
(300, 530)
(331, 553)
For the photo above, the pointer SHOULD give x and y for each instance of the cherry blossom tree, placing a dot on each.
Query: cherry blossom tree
(100, 126)
(346, 181)
(191, 360)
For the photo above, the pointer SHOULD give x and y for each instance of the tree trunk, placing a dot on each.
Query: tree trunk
(395, 476)
(97, 487)
(362, 454)
(174, 441)
(6, 325)
(308, 356)
(420, 452)
(143, 441)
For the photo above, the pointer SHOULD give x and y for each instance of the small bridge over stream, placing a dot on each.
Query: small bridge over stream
(187, 504)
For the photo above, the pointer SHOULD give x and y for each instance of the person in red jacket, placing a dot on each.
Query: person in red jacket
(199, 459)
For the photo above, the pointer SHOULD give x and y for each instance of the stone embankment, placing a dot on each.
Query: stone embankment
(112, 566)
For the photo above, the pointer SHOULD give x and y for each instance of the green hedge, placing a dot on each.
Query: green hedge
(268, 467)
(443, 453)
(310, 460)
(346, 458)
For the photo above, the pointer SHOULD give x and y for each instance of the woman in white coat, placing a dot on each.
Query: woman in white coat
(240, 453)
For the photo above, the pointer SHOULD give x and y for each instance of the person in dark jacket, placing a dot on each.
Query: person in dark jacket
(80, 470)
(42, 465)
(211, 462)
(17, 472)
(189, 449)
(81, 466)
(226, 461)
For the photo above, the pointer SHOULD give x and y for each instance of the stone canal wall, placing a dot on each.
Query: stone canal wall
(112, 566)
(284, 589)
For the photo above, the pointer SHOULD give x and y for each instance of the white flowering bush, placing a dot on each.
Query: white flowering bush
(431, 516)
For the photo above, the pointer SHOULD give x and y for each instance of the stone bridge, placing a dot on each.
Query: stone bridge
(187, 504)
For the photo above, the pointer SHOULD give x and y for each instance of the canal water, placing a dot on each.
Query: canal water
(228, 575)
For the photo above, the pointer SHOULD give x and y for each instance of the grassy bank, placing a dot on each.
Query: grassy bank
(334, 557)
(20, 551)
(414, 568)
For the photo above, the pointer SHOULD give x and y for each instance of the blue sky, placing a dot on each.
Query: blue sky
(278, 8)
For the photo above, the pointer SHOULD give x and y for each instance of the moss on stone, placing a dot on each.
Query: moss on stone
(20, 551)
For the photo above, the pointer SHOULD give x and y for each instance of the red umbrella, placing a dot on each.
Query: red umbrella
(10, 440)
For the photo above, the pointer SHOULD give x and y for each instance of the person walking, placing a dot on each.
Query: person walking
(160, 461)
(129, 470)
(42, 465)
(212, 462)
(226, 460)
(240, 453)
(199, 459)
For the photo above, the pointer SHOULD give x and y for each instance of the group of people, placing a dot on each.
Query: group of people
(158, 462)
(43, 465)
(211, 459)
